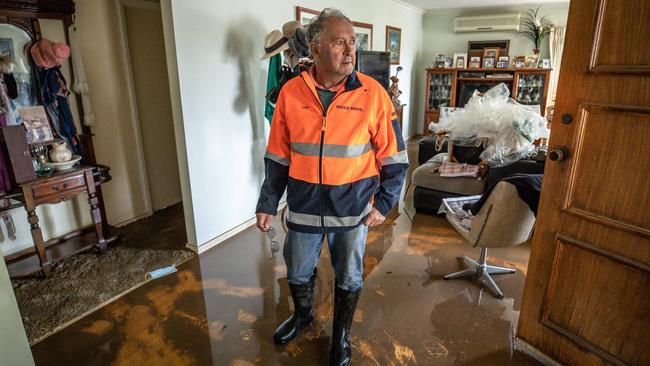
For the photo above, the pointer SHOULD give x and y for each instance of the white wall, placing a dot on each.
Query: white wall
(222, 83)
(438, 35)
(14, 347)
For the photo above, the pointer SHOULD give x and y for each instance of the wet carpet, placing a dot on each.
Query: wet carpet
(82, 282)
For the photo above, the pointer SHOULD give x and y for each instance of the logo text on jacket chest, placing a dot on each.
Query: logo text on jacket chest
(349, 108)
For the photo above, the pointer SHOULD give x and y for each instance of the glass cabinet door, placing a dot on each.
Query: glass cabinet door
(440, 91)
(530, 88)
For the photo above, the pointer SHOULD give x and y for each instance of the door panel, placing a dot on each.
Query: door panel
(581, 289)
(608, 138)
(588, 282)
(621, 20)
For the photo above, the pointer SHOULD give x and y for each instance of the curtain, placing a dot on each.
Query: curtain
(556, 46)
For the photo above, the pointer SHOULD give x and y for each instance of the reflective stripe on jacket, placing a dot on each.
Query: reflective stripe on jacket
(335, 164)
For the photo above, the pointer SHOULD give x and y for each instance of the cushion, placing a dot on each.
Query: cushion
(424, 177)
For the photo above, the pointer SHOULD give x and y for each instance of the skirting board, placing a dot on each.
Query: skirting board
(537, 355)
(227, 235)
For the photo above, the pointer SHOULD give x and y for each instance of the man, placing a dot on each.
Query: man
(336, 145)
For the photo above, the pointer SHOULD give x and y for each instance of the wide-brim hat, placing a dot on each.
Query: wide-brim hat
(289, 28)
(274, 43)
(48, 54)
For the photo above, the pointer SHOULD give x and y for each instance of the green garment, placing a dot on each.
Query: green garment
(325, 97)
(275, 65)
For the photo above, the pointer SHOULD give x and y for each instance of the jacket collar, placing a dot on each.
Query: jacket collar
(351, 83)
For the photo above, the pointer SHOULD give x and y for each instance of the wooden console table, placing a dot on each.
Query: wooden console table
(61, 186)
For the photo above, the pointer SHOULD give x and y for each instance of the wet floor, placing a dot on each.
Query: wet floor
(222, 307)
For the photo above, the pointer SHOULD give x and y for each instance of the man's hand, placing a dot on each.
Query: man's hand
(263, 221)
(374, 218)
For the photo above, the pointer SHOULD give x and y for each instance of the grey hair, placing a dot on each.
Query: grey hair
(317, 26)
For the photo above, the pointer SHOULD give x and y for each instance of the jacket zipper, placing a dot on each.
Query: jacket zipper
(320, 151)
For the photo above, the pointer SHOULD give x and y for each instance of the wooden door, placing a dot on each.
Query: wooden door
(587, 293)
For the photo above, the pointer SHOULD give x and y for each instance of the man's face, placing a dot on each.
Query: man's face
(334, 53)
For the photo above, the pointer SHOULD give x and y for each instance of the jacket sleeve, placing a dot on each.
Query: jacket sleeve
(390, 152)
(276, 162)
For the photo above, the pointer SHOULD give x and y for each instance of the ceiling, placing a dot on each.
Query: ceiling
(447, 4)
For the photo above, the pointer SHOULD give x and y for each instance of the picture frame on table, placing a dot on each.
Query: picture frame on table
(393, 43)
(491, 53)
(363, 33)
(503, 62)
(475, 62)
(519, 61)
(546, 63)
(440, 60)
(36, 123)
(460, 60)
(488, 63)
(305, 15)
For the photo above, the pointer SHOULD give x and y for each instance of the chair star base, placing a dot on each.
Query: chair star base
(482, 271)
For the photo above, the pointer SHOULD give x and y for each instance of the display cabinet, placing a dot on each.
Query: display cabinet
(452, 87)
(441, 92)
(531, 88)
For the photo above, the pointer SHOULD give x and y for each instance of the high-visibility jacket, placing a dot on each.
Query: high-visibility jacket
(337, 163)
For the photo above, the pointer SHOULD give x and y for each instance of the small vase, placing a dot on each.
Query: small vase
(60, 153)
(536, 51)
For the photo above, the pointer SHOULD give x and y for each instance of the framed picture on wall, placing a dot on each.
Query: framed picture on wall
(305, 16)
(460, 60)
(363, 33)
(393, 43)
(7, 47)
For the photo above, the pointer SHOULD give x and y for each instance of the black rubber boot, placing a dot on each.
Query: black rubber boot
(303, 296)
(345, 302)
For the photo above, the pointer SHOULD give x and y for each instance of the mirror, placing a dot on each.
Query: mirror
(15, 42)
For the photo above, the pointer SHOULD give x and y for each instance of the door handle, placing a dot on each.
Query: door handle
(558, 154)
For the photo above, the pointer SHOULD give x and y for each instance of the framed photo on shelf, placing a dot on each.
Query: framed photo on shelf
(36, 124)
(363, 33)
(520, 61)
(305, 16)
(546, 63)
(488, 63)
(503, 62)
(393, 43)
(449, 62)
(460, 60)
(475, 62)
(491, 53)
(440, 60)
(531, 60)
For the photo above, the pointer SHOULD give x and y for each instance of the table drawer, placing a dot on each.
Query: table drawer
(58, 186)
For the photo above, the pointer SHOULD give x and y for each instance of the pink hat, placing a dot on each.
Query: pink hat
(48, 54)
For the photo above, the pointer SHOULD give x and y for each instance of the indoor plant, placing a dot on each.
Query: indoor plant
(535, 28)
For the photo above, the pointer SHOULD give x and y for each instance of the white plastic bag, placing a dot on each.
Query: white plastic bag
(508, 127)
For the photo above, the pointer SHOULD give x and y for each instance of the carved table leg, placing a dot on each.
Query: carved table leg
(37, 236)
(95, 212)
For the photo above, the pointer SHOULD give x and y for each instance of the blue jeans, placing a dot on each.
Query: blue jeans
(302, 251)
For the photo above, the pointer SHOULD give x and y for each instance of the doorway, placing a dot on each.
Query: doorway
(145, 46)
